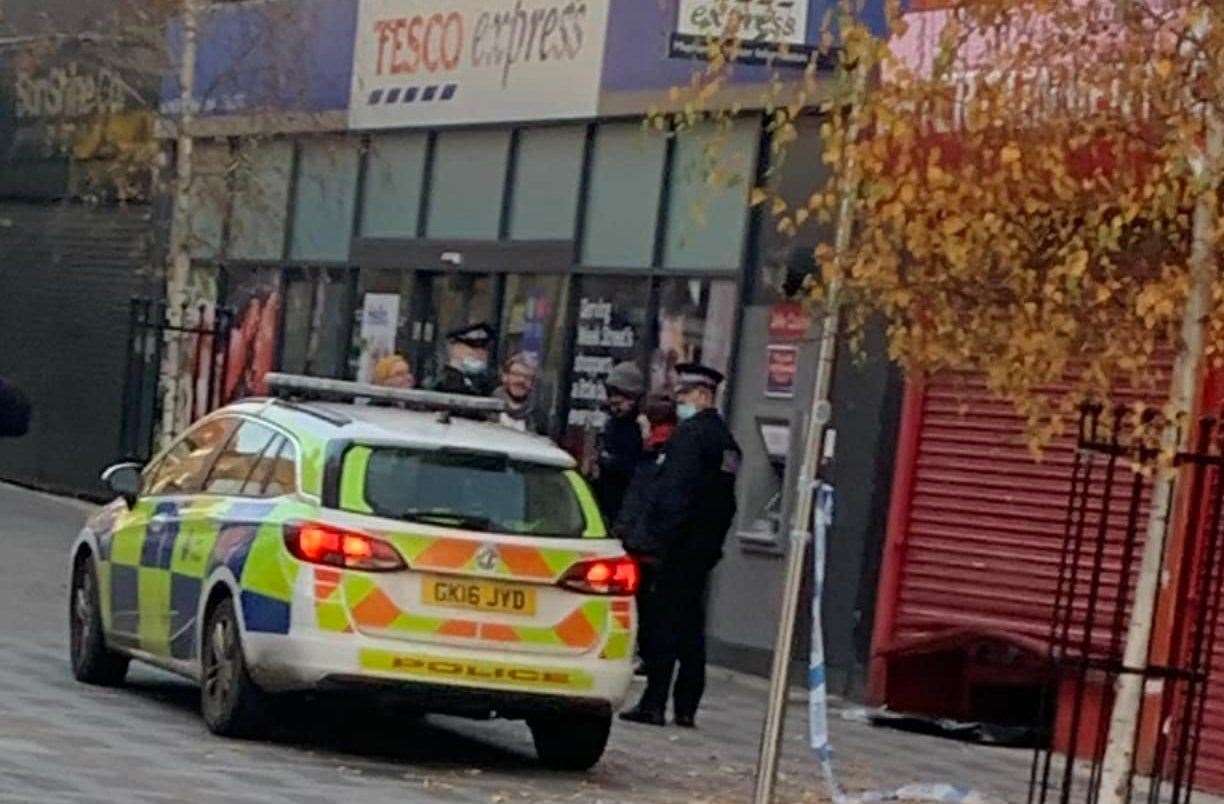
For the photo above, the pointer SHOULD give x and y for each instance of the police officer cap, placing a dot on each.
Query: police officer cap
(689, 375)
(477, 335)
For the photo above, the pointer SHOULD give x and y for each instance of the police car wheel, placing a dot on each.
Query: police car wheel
(231, 703)
(92, 661)
(573, 742)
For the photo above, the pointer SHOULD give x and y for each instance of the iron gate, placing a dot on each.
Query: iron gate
(1111, 485)
(202, 336)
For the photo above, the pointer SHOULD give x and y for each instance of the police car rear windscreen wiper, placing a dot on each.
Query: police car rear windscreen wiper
(447, 516)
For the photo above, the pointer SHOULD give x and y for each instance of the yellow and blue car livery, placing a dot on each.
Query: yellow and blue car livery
(331, 588)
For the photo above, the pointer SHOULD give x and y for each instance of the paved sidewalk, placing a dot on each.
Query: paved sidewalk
(75, 743)
(63, 741)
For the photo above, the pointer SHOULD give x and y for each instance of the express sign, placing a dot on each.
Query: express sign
(423, 62)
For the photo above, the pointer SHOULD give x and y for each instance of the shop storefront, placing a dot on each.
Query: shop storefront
(528, 194)
(575, 242)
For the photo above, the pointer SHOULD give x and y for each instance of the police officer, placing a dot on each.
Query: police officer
(689, 512)
(467, 362)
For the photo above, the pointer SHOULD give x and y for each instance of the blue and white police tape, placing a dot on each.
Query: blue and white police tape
(818, 693)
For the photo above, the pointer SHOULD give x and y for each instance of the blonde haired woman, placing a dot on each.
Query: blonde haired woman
(393, 371)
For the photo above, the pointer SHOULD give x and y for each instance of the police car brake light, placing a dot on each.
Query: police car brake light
(603, 576)
(325, 544)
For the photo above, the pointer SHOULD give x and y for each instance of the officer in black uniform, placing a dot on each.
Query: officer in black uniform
(467, 362)
(687, 517)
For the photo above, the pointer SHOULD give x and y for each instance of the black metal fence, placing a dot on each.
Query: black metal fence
(1105, 528)
(202, 336)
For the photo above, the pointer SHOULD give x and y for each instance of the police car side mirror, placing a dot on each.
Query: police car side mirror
(124, 480)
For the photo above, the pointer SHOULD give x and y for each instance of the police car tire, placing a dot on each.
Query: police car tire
(92, 661)
(242, 713)
(573, 742)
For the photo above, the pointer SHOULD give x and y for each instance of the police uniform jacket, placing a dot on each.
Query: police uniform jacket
(453, 381)
(692, 503)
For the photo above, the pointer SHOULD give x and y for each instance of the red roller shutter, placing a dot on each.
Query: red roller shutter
(976, 530)
(1211, 739)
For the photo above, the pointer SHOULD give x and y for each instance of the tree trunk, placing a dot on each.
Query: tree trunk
(1119, 757)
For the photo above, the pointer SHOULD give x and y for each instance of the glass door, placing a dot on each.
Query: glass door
(441, 303)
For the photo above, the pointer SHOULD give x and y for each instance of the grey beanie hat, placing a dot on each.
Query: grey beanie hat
(626, 377)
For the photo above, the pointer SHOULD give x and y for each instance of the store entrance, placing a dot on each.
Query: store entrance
(441, 303)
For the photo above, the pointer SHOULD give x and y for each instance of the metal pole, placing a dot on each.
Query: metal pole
(816, 426)
(179, 268)
(1119, 760)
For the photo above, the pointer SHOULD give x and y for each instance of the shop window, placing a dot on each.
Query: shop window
(623, 200)
(548, 170)
(787, 260)
(318, 309)
(707, 211)
(256, 295)
(380, 321)
(533, 322)
(209, 199)
(324, 200)
(612, 326)
(394, 179)
(696, 323)
(469, 175)
(261, 200)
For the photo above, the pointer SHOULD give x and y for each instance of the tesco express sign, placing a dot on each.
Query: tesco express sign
(422, 62)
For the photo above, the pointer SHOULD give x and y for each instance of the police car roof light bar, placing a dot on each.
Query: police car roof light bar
(320, 388)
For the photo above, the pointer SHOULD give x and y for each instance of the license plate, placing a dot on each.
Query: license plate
(479, 596)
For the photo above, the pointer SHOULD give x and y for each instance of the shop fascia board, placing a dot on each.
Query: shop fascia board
(747, 97)
(255, 125)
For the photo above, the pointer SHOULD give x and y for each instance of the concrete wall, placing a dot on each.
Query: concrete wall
(747, 589)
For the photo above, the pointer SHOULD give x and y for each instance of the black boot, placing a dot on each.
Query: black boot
(686, 721)
(644, 714)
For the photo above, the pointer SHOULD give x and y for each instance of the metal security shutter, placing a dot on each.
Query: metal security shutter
(977, 528)
(67, 273)
(985, 519)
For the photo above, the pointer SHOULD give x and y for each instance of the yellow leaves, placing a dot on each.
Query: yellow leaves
(952, 225)
(1010, 154)
(1164, 68)
(758, 196)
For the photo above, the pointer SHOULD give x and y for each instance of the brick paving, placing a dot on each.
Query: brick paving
(62, 741)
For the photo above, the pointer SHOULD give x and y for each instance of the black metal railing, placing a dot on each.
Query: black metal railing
(201, 335)
(1105, 525)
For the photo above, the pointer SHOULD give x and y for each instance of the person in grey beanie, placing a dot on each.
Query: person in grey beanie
(620, 443)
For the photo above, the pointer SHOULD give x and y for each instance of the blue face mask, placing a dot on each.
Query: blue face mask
(473, 365)
(685, 410)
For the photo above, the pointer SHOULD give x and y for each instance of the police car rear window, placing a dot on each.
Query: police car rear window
(478, 491)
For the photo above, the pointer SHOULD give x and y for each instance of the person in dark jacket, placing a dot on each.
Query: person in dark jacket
(630, 527)
(690, 510)
(14, 411)
(620, 443)
(467, 362)
(659, 411)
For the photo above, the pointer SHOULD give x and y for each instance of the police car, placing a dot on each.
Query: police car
(299, 544)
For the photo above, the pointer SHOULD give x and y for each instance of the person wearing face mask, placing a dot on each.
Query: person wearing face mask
(686, 520)
(467, 362)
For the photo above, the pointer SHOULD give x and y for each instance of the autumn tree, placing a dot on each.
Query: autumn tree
(1029, 191)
